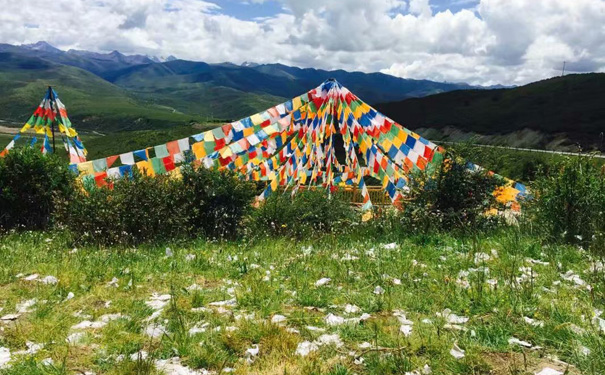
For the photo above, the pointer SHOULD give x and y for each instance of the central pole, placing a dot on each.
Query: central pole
(52, 124)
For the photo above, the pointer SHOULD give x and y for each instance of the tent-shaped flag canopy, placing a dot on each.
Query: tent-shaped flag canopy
(51, 114)
(326, 137)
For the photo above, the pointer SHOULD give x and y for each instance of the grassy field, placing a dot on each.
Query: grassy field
(502, 304)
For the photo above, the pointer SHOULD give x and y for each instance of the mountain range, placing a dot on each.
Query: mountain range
(113, 91)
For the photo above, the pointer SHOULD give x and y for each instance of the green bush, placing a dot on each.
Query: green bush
(569, 202)
(204, 203)
(28, 183)
(307, 213)
(216, 202)
(454, 198)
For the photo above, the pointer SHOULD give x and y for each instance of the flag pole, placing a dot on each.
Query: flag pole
(52, 124)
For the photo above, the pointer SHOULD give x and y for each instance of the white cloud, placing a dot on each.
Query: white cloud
(498, 41)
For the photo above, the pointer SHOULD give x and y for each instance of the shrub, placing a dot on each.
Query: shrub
(307, 213)
(141, 209)
(28, 183)
(569, 202)
(204, 203)
(455, 198)
(216, 202)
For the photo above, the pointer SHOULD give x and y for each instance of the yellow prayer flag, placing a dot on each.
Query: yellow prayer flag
(296, 103)
(145, 168)
(86, 168)
(208, 136)
(198, 150)
(256, 119)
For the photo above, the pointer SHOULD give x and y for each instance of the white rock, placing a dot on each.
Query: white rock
(549, 371)
(278, 319)
(533, 322)
(315, 329)
(169, 252)
(33, 348)
(390, 246)
(456, 327)
(406, 330)
(481, 257)
(5, 357)
(378, 290)
(198, 329)
(402, 318)
(154, 330)
(70, 295)
(365, 316)
(141, 355)
(323, 281)
(190, 257)
(50, 280)
(304, 348)
(571, 276)
(452, 318)
(516, 341)
(9, 317)
(326, 339)
(47, 362)
(456, 352)
(334, 320)
(351, 309)
(31, 277)
(75, 338)
(396, 282)
(364, 345)
(113, 283)
(158, 302)
(252, 352)
(536, 261)
(88, 324)
(25, 306)
(232, 302)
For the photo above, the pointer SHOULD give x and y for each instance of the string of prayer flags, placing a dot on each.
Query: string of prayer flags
(52, 114)
(326, 137)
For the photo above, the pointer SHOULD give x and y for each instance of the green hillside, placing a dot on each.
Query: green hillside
(95, 104)
(566, 108)
(92, 103)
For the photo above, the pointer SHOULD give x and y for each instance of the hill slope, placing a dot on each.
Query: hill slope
(92, 102)
(565, 109)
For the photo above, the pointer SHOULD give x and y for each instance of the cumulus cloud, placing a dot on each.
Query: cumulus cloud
(497, 41)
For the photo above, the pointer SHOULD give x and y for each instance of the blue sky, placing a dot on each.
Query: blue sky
(250, 10)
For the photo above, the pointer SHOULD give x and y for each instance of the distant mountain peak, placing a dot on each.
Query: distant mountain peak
(249, 64)
(42, 46)
(170, 58)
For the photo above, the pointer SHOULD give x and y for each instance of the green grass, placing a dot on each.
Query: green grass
(276, 276)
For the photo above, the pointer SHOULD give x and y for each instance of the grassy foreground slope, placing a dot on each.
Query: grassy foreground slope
(331, 306)
(569, 107)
